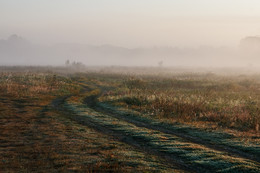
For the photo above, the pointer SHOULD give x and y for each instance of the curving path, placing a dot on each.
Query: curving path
(190, 149)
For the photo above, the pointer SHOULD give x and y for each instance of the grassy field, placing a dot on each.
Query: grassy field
(58, 121)
(229, 101)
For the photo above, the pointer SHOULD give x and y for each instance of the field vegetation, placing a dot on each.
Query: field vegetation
(37, 136)
(227, 101)
(61, 121)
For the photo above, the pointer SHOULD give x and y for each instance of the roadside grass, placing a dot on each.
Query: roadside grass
(35, 136)
(220, 91)
(112, 101)
(23, 96)
(80, 148)
(229, 98)
(197, 156)
(230, 102)
(217, 137)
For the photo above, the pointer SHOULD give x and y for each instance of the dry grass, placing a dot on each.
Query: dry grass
(232, 102)
(36, 137)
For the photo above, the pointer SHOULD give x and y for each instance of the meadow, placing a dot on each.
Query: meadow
(106, 120)
(227, 101)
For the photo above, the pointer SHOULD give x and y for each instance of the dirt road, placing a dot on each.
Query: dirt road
(190, 149)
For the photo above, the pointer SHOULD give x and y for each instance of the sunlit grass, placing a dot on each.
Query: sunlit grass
(35, 136)
(192, 153)
(232, 102)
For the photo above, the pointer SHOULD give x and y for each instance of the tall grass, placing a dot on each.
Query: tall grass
(19, 84)
(232, 102)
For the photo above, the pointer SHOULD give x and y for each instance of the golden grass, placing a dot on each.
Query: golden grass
(35, 137)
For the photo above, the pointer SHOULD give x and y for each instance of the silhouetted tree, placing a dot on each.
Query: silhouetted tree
(67, 63)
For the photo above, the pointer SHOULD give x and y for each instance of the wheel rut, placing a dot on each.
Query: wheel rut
(230, 150)
(120, 136)
(187, 152)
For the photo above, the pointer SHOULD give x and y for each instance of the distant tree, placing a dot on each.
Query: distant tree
(67, 63)
(160, 63)
(79, 66)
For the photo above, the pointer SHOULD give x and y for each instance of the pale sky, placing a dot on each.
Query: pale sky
(131, 23)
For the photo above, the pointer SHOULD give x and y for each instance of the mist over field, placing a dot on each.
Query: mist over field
(18, 51)
(130, 86)
(147, 33)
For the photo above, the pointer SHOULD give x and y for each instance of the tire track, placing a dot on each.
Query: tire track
(122, 137)
(176, 151)
(94, 104)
